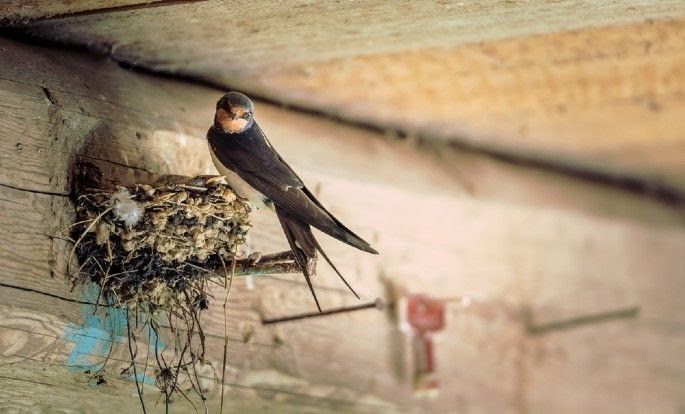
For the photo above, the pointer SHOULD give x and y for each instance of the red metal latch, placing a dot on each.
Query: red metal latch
(421, 316)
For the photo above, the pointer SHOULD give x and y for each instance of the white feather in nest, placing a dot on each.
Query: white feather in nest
(126, 209)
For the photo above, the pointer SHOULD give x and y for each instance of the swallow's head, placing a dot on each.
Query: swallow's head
(234, 113)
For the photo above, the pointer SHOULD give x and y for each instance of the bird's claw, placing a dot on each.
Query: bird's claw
(255, 257)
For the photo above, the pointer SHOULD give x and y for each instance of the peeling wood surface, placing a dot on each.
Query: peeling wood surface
(596, 86)
(448, 223)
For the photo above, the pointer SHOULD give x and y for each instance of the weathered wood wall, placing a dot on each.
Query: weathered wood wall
(515, 240)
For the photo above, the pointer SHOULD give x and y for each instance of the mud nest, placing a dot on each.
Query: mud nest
(157, 247)
(153, 252)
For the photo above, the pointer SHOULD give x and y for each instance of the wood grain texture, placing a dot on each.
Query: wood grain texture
(23, 10)
(448, 223)
(264, 34)
(609, 100)
(594, 86)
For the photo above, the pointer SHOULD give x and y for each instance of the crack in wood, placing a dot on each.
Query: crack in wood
(34, 191)
(48, 95)
(52, 295)
(121, 164)
(28, 380)
(11, 201)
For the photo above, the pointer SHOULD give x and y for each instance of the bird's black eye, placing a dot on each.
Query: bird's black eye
(246, 115)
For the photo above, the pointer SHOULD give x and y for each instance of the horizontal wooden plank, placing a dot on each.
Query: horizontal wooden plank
(608, 100)
(267, 33)
(591, 86)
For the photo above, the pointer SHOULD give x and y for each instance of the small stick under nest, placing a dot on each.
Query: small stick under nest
(153, 250)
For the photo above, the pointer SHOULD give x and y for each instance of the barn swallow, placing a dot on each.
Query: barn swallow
(252, 167)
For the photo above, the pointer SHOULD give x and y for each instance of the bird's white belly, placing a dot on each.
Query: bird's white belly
(240, 186)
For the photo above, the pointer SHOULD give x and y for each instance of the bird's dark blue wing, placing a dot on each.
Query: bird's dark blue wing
(251, 153)
(251, 156)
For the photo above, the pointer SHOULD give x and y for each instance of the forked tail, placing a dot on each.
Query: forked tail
(304, 246)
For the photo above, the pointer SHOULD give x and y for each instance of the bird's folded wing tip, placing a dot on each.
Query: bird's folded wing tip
(372, 250)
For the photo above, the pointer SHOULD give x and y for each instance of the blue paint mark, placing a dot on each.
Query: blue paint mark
(92, 339)
(143, 379)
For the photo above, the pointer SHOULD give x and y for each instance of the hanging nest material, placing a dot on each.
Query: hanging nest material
(158, 246)
(154, 250)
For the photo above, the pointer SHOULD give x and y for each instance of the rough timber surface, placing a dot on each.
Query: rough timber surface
(448, 223)
(592, 85)
(24, 10)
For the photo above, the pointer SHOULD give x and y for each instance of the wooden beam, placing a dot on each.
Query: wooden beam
(590, 86)
(265, 34)
(607, 100)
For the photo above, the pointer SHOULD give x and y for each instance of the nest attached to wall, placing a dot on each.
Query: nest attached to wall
(153, 251)
(155, 247)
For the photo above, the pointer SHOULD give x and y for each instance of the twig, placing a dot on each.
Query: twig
(104, 281)
(538, 329)
(277, 263)
(223, 363)
(90, 226)
(147, 354)
(109, 354)
(378, 304)
(133, 362)
(199, 386)
(178, 368)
